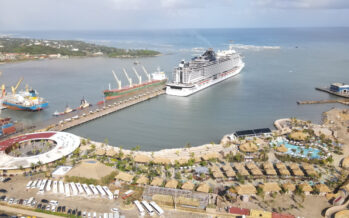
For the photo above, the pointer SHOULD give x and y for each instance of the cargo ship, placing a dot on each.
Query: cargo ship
(204, 71)
(6, 127)
(156, 79)
(25, 101)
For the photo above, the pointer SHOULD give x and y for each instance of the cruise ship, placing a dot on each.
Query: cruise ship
(203, 71)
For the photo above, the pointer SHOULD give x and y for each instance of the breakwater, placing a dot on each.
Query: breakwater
(346, 102)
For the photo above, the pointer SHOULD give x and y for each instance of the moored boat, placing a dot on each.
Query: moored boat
(204, 71)
(156, 79)
(25, 101)
(84, 104)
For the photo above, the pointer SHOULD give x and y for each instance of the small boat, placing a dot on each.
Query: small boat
(84, 104)
(66, 111)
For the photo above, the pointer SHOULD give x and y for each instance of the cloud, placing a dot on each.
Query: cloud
(306, 4)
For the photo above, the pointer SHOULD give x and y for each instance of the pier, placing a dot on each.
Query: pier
(76, 118)
(345, 102)
(109, 107)
(333, 93)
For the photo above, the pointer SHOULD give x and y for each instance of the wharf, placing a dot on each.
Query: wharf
(79, 117)
(331, 92)
(103, 110)
(345, 102)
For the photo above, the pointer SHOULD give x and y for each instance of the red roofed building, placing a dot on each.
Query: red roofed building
(9, 142)
(239, 211)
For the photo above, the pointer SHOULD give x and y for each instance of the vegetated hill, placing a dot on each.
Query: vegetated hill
(67, 47)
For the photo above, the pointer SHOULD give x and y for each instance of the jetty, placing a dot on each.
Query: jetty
(88, 114)
(345, 102)
(101, 110)
(340, 94)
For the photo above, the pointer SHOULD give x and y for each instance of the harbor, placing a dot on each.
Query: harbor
(85, 115)
(89, 114)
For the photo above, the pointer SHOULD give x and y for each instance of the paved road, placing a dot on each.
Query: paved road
(26, 212)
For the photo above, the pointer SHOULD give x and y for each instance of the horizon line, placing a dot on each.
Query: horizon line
(184, 28)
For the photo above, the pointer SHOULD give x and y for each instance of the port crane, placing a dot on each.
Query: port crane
(146, 73)
(139, 77)
(3, 88)
(14, 89)
(128, 78)
(117, 80)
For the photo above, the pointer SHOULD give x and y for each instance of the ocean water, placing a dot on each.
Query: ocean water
(283, 66)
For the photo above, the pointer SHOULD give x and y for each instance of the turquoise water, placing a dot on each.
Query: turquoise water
(267, 88)
(314, 152)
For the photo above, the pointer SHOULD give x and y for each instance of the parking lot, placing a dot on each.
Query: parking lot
(15, 189)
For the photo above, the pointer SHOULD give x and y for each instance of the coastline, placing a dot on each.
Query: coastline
(174, 154)
(78, 57)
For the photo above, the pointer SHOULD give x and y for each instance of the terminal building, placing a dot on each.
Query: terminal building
(21, 160)
(250, 133)
(340, 88)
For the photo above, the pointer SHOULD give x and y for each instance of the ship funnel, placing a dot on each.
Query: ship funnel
(146, 73)
(128, 78)
(117, 80)
(138, 76)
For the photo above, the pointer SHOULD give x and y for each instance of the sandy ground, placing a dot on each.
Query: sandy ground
(26, 212)
(311, 207)
(338, 121)
(175, 153)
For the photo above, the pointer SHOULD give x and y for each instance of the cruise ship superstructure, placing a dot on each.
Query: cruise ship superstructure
(204, 71)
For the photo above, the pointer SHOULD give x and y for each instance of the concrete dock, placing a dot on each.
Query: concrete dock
(79, 117)
(103, 110)
(331, 92)
(346, 102)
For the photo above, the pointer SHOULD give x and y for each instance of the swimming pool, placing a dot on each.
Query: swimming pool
(298, 151)
(295, 150)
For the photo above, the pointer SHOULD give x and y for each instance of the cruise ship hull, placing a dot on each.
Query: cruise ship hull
(183, 91)
(14, 106)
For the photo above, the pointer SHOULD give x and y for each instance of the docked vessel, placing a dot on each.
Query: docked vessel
(26, 101)
(203, 71)
(6, 127)
(155, 80)
(84, 104)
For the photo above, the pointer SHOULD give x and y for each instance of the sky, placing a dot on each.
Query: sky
(170, 14)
